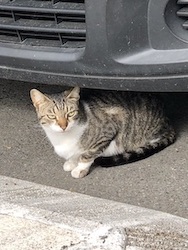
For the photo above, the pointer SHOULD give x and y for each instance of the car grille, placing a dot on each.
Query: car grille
(51, 23)
(183, 12)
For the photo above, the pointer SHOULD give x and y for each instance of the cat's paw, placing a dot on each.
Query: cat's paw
(79, 173)
(69, 166)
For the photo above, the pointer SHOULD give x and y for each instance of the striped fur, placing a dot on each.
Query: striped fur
(85, 126)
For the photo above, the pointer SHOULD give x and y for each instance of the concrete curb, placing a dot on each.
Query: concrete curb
(34, 216)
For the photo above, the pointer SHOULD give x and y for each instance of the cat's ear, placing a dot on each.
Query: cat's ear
(37, 97)
(73, 94)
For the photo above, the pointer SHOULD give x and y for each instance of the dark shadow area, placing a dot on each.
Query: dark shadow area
(119, 160)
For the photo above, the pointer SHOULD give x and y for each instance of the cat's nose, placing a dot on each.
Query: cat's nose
(63, 123)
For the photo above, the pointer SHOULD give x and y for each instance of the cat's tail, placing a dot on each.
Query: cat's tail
(153, 146)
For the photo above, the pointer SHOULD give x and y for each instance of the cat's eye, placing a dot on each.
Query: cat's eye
(51, 116)
(72, 113)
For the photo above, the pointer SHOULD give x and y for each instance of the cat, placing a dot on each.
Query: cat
(85, 125)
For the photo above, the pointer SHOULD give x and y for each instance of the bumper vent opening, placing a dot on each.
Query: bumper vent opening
(176, 17)
(183, 12)
(52, 23)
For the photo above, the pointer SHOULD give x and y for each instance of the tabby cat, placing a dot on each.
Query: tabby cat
(84, 125)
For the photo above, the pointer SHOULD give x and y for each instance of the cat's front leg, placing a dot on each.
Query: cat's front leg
(82, 168)
(87, 158)
(71, 164)
(84, 163)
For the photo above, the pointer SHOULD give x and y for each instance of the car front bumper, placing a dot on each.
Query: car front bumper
(130, 45)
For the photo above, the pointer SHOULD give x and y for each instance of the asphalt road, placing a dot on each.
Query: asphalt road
(159, 182)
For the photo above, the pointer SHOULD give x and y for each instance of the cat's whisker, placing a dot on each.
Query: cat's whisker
(37, 127)
(44, 138)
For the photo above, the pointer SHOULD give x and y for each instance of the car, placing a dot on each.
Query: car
(106, 44)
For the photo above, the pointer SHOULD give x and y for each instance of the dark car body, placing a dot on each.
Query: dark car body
(139, 45)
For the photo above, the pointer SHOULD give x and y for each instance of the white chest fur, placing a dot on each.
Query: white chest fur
(66, 144)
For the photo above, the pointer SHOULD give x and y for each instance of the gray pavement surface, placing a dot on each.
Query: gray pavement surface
(34, 217)
(159, 182)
